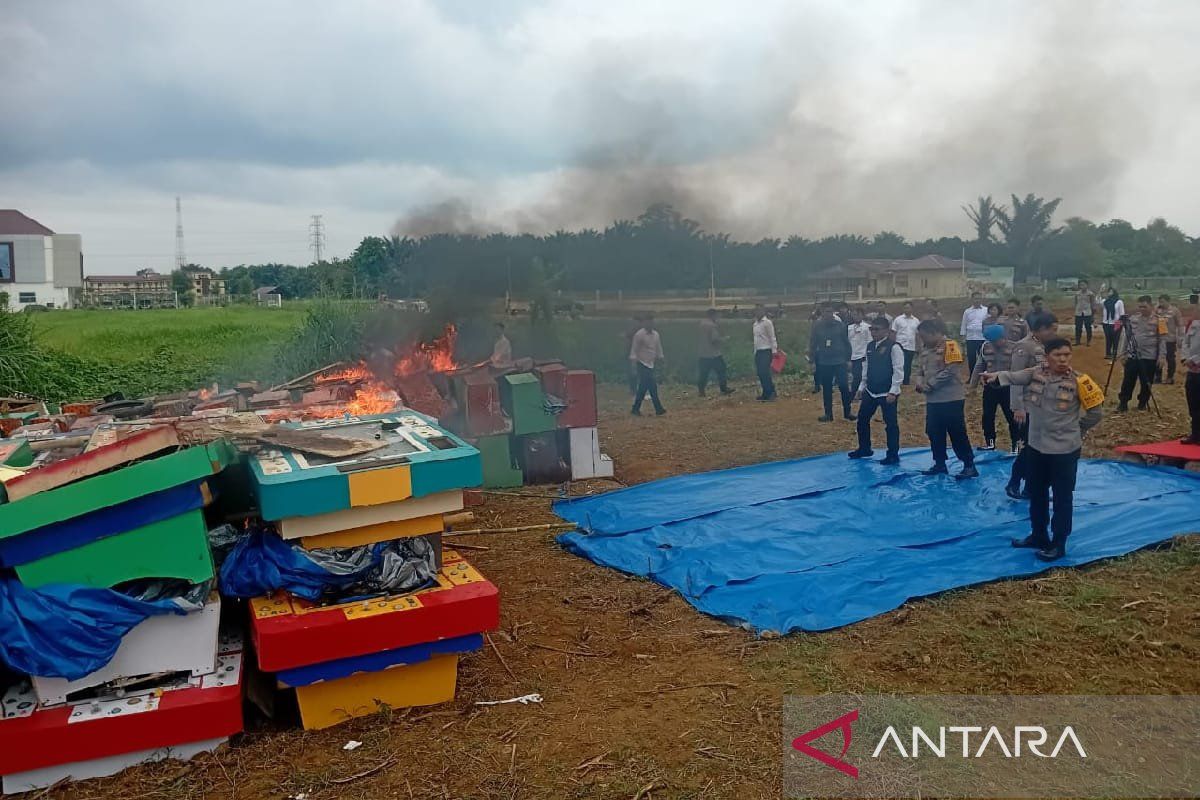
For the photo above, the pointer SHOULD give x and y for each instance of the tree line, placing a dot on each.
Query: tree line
(664, 250)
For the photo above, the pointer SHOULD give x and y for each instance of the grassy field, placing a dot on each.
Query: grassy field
(140, 352)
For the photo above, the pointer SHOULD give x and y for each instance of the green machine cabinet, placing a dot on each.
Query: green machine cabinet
(523, 399)
(500, 470)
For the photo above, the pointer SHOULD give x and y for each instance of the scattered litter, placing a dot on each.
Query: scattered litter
(524, 699)
(351, 745)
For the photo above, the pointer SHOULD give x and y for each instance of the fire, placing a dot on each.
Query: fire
(375, 390)
(353, 373)
(372, 397)
(437, 355)
(204, 394)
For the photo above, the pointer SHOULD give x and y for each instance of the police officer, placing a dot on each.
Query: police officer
(883, 372)
(939, 376)
(995, 356)
(1144, 350)
(1063, 405)
(1029, 352)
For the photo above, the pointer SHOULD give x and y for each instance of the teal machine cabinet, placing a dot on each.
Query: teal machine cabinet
(419, 458)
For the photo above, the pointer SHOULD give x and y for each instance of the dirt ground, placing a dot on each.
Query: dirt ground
(644, 697)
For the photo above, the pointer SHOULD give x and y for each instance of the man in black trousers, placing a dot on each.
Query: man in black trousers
(1144, 350)
(940, 377)
(1029, 352)
(1063, 405)
(883, 372)
(829, 351)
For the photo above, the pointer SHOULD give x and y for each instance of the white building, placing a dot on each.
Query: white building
(37, 265)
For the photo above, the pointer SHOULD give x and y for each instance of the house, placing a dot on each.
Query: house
(37, 265)
(146, 289)
(268, 296)
(928, 276)
(204, 282)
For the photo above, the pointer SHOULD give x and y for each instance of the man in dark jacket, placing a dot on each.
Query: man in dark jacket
(829, 351)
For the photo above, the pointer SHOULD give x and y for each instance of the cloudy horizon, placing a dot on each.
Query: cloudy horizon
(803, 118)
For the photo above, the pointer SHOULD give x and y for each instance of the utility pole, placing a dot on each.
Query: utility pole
(712, 278)
(316, 238)
(180, 258)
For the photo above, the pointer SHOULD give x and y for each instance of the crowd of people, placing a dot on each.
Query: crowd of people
(1020, 358)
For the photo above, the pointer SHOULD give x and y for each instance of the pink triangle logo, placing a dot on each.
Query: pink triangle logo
(844, 724)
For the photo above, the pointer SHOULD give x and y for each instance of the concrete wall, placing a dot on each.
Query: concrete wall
(68, 260)
(37, 261)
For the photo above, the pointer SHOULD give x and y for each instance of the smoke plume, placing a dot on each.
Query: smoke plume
(1042, 101)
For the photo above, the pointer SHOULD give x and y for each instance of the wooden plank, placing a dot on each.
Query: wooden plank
(318, 524)
(370, 534)
(123, 450)
(113, 488)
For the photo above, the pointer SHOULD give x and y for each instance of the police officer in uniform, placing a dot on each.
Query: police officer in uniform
(939, 376)
(995, 356)
(1029, 352)
(883, 372)
(1144, 331)
(1063, 405)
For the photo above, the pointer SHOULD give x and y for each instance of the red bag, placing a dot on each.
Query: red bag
(778, 361)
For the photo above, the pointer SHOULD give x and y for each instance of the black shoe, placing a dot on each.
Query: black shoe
(967, 472)
(1016, 449)
(1143, 406)
(988, 445)
(728, 391)
(636, 413)
(768, 399)
(815, 389)
(891, 461)
(702, 393)
(1031, 542)
(1122, 409)
(658, 412)
(1052, 553)
(936, 469)
(861, 453)
(1015, 492)
(825, 418)
(851, 417)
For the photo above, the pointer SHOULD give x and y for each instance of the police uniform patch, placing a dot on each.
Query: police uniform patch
(1090, 393)
(1162, 326)
(952, 354)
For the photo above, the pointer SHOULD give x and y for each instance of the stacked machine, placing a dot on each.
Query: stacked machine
(537, 426)
(107, 550)
(346, 654)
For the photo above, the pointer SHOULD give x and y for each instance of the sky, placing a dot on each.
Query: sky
(772, 118)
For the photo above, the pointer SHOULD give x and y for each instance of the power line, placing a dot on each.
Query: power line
(180, 258)
(316, 237)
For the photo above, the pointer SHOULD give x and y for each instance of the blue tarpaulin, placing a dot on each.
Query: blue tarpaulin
(65, 631)
(821, 542)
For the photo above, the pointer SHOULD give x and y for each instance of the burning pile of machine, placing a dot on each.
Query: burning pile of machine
(136, 527)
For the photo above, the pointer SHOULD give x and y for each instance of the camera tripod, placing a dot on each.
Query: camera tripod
(1131, 352)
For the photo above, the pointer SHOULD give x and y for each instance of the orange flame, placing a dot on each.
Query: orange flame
(355, 372)
(204, 394)
(437, 355)
(372, 397)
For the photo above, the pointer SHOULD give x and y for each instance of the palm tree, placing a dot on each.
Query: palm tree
(985, 214)
(1026, 229)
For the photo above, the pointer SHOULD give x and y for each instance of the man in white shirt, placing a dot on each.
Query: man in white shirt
(646, 352)
(972, 329)
(859, 331)
(765, 347)
(880, 388)
(502, 355)
(905, 329)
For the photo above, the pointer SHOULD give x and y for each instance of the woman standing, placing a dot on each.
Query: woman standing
(1114, 309)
